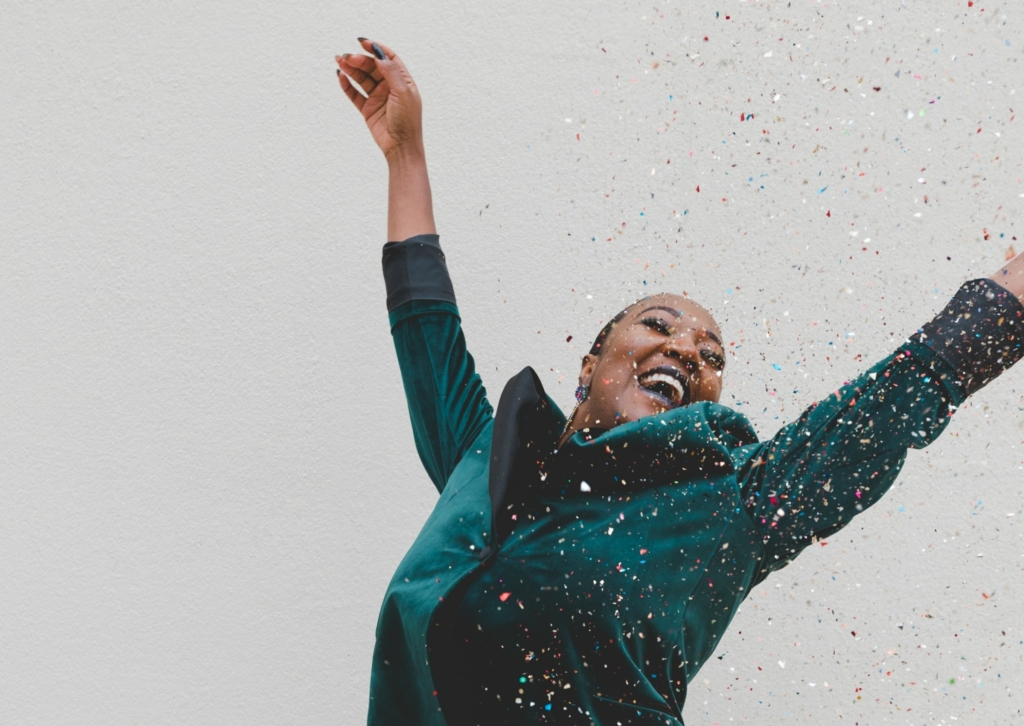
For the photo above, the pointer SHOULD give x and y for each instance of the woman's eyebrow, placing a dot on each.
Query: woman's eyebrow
(714, 337)
(662, 307)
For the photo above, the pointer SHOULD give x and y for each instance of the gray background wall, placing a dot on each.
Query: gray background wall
(206, 471)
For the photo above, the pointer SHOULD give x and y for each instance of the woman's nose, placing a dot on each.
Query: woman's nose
(684, 348)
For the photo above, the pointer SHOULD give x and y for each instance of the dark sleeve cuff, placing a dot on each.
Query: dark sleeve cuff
(414, 269)
(980, 333)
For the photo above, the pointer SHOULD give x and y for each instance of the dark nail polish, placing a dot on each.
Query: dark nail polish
(360, 39)
(377, 51)
(339, 72)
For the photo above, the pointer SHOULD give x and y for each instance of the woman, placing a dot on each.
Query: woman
(581, 571)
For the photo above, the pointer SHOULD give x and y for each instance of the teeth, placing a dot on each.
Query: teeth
(663, 378)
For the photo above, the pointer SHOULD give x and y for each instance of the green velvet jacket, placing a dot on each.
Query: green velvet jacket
(588, 585)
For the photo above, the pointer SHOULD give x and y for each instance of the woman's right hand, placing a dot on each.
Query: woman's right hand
(391, 108)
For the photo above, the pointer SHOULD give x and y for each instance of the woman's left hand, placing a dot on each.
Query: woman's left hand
(392, 107)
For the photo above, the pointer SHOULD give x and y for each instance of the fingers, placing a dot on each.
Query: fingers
(353, 95)
(390, 55)
(349, 68)
(364, 63)
(390, 67)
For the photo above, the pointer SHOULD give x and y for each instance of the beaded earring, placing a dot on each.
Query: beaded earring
(582, 391)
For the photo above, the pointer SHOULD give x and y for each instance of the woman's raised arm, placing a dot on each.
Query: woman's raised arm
(845, 451)
(447, 402)
(393, 112)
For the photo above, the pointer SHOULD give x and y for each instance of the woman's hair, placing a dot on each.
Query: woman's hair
(595, 349)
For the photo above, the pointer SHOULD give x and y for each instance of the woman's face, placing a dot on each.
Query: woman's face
(664, 353)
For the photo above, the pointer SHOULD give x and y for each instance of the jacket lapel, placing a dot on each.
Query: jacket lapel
(525, 414)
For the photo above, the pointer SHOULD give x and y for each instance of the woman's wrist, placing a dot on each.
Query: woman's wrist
(1012, 276)
(407, 155)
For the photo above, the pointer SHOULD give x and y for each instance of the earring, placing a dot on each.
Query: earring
(581, 396)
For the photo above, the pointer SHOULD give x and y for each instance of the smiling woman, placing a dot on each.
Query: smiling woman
(581, 570)
(660, 353)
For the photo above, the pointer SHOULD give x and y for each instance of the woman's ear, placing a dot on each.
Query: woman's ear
(588, 368)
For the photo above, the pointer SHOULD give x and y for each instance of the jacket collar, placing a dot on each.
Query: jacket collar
(689, 443)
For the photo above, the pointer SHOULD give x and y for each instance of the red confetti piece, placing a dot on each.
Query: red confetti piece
(504, 596)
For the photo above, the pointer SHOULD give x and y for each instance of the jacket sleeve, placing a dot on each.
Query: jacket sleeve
(447, 402)
(845, 451)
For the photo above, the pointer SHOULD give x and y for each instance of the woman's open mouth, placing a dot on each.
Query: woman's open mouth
(667, 384)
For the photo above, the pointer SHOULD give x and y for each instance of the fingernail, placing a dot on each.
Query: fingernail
(346, 56)
(339, 72)
(360, 39)
(377, 51)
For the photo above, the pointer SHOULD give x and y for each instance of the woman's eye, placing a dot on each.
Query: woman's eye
(713, 358)
(660, 325)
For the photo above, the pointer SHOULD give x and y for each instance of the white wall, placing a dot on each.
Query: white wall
(206, 472)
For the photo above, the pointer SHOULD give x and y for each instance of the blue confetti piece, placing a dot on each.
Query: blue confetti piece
(776, 366)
